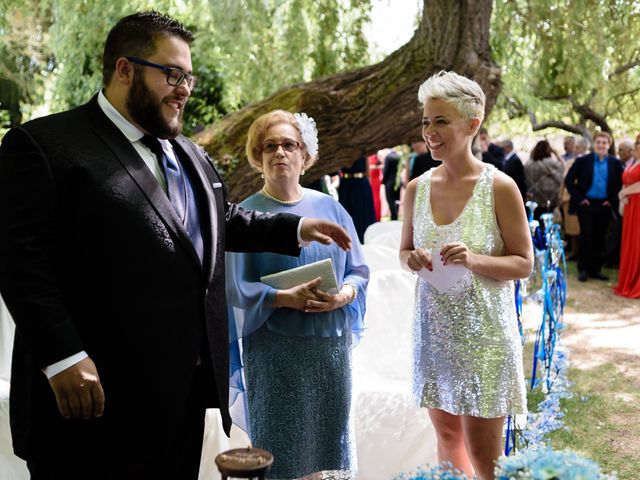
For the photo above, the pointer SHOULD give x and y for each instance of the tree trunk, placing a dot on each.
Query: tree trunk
(370, 108)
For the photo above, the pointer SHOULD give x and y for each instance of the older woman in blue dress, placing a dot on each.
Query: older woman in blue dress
(467, 350)
(296, 343)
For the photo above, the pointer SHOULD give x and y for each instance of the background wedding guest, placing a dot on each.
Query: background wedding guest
(594, 181)
(467, 350)
(356, 196)
(423, 160)
(113, 270)
(391, 182)
(583, 147)
(296, 342)
(629, 277)
(513, 167)
(625, 153)
(569, 144)
(491, 153)
(543, 174)
(375, 178)
(570, 223)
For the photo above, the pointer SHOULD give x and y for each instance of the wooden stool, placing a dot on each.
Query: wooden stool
(244, 463)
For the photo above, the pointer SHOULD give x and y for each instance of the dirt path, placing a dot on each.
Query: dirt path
(602, 327)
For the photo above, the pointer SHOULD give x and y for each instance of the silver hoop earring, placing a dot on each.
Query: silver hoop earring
(262, 176)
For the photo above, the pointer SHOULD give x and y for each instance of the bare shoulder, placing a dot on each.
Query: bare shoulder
(504, 185)
(412, 185)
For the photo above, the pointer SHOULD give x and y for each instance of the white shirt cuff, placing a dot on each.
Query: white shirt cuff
(63, 364)
(300, 241)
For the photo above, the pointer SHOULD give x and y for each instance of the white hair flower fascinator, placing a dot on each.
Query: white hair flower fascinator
(308, 132)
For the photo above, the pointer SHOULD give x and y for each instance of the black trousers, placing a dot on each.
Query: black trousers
(99, 457)
(594, 221)
(392, 197)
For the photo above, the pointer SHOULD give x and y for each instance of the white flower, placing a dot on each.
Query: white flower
(308, 132)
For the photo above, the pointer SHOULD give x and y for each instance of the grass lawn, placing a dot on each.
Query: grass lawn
(603, 416)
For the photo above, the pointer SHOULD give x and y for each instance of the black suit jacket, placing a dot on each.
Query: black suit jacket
(94, 258)
(515, 169)
(494, 156)
(580, 177)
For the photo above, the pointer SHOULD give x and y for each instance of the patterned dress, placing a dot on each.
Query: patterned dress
(467, 350)
(296, 401)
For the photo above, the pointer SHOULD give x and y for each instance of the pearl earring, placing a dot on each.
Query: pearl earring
(303, 172)
(262, 176)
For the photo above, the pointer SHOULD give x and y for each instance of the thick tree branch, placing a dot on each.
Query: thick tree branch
(575, 129)
(624, 68)
(372, 107)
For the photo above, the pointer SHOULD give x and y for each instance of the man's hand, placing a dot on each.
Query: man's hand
(323, 231)
(78, 390)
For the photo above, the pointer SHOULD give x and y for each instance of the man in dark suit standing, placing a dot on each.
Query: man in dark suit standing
(113, 228)
(594, 181)
(513, 167)
(491, 153)
(423, 160)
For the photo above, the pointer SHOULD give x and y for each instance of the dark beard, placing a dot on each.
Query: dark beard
(146, 110)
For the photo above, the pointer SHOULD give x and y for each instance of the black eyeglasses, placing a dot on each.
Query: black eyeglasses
(287, 145)
(175, 76)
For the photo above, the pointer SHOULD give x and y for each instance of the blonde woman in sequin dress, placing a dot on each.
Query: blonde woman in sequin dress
(467, 351)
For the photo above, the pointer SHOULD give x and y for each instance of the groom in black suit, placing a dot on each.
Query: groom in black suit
(113, 228)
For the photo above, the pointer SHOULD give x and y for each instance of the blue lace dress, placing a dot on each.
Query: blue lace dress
(295, 400)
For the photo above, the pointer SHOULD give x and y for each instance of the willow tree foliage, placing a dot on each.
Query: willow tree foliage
(244, 50)
(569, 64)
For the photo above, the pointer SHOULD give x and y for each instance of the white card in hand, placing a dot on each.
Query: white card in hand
(443, 277)
(305, 273)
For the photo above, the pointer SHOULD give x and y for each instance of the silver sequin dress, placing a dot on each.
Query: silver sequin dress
(467, 350)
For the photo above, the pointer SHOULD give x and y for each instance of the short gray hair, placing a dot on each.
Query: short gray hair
(464, 94)
(584, 143)
(626, 143)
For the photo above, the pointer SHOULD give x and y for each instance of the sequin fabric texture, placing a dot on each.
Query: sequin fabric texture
(301, 415)
(467, 350)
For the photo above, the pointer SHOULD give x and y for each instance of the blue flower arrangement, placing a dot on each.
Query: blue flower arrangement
(444, 471)
(548, 464)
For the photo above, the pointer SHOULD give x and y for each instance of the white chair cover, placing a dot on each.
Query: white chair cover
(379, 228)
(381, 257)
(393, 435)
(388, 239)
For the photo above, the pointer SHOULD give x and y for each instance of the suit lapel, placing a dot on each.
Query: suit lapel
(210, 199)
(140, 173)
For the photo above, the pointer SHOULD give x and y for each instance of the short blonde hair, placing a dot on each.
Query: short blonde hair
(258, 131)
(464, 94)
(602, 133)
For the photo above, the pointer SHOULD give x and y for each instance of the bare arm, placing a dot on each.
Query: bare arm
(632, 189)
(411, 259)
(512, 222)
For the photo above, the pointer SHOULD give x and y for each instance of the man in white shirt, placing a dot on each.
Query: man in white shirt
(113, 228)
